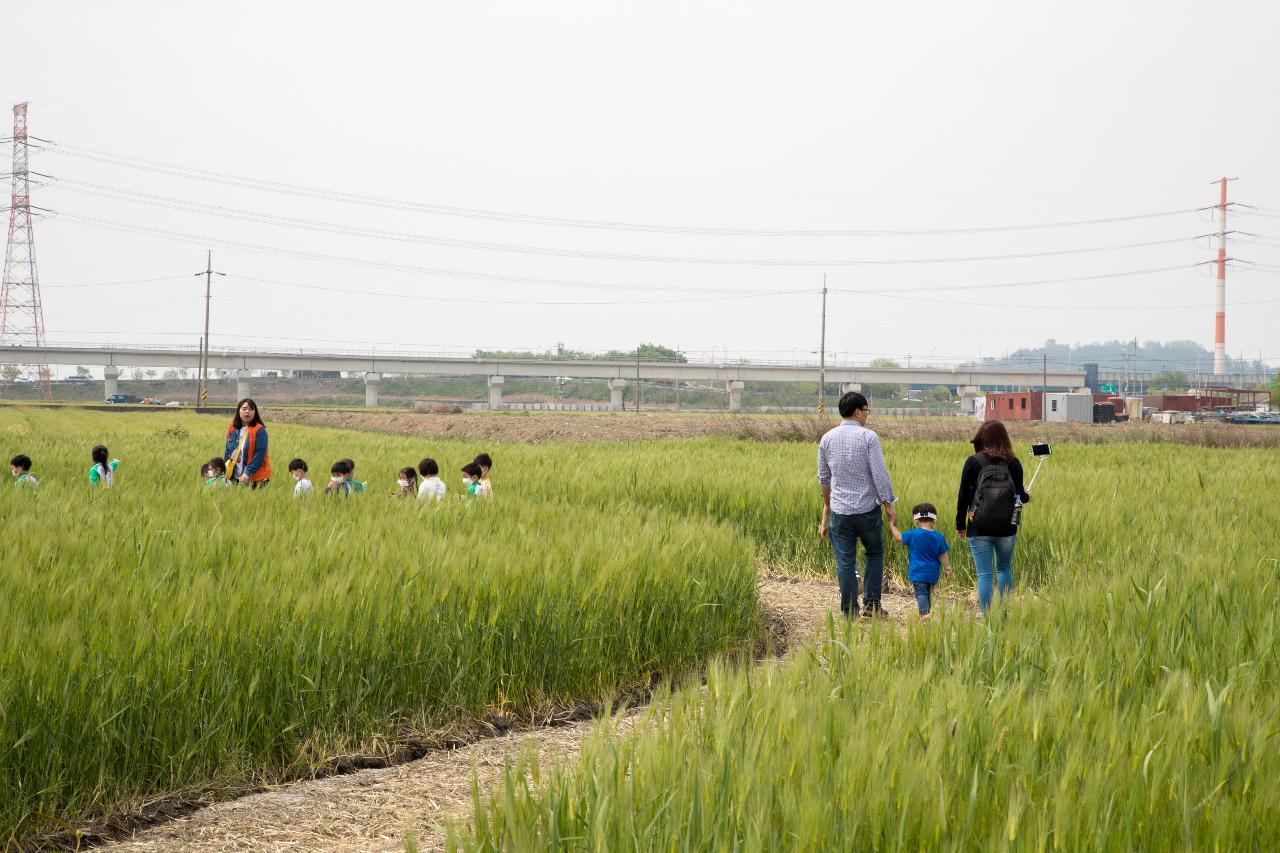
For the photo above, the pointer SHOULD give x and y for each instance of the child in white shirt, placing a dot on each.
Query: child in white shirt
(432, 486)
(298, 469)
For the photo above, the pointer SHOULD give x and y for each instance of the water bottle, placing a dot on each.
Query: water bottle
(1017, 510)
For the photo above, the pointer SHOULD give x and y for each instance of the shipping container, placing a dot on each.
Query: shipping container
(1063, 407)
(1014, 406)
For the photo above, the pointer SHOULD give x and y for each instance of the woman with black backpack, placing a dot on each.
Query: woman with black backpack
(989, 507)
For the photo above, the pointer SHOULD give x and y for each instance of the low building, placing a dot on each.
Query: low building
(1013, 406)
(1063, 408)
(1186, 402)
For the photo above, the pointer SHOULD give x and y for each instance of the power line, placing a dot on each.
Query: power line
(616, 256)
(472, 301)
(1154, 307)
(387, 265)
(117, 283)
(418, 324)
(1033, 283)
(157, 167)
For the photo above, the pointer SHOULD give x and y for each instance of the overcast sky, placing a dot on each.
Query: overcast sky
(494, 145)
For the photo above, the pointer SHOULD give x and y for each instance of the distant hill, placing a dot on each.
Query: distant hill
(1184, 356)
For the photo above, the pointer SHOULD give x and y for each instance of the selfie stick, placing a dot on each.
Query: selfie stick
(1036, 473)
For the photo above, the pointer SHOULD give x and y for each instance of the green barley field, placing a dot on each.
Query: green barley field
(165, 641)
(1130, 701)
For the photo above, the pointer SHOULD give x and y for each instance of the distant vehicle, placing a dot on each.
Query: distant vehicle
(77, 378)
(173, 403)
(123, 398)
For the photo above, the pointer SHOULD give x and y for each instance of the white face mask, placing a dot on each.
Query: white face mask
(466, 481)
(404, 484)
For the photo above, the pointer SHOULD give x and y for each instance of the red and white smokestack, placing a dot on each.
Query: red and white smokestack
(1220, 317)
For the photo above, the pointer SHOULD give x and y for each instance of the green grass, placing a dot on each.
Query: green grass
(162, 639)
(1130, 703)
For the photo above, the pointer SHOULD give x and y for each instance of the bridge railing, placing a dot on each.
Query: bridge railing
(689, 357)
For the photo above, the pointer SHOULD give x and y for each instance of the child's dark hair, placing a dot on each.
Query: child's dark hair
(298, 465)
(217, 465)
(919, 509)
(22, 461)
(100, 456)
(484, 460)
(472, 469)
(350, 463)
(428, 467)
(409, 473)
(204, 469)
(342, 466)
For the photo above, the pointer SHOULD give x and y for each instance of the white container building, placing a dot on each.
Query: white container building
(1063, 407)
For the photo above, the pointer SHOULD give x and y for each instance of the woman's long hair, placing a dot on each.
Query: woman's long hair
(257, 414)
(993, 440)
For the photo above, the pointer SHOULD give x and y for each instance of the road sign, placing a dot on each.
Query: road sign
(1106, 387)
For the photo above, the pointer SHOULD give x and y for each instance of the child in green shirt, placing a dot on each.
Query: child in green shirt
(103, 471)
(215, 473)
(471, 481)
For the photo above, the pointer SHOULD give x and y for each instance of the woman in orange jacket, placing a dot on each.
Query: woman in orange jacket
(247, 461)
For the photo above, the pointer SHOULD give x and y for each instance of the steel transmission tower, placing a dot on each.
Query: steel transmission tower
(21, 314)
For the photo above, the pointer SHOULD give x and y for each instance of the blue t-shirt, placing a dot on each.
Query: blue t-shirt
(924, 547)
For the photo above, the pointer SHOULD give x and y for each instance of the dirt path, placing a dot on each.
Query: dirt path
(373, 810)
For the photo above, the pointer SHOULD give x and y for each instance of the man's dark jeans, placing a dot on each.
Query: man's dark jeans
(845, 532)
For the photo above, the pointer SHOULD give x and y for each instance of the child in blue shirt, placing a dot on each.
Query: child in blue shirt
(927, 552)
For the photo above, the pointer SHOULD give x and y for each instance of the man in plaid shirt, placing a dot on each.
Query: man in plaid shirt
(855, 485)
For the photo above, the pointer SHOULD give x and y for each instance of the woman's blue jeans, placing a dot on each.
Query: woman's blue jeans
(992, 556)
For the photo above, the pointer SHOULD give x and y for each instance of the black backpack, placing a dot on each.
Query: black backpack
(993, 499)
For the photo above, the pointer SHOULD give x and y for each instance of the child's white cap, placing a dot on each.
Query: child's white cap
(920, 516)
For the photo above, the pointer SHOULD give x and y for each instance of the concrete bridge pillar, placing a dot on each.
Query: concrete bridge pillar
(616, 387)
(110, 375)
(243, 385)
(371, 381)
(968, 397)
(735, 394)
(495, 391)
(851, 386)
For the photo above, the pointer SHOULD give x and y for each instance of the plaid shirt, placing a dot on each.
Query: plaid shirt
(851, 462)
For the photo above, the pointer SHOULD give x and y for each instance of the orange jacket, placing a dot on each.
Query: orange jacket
(255, 454)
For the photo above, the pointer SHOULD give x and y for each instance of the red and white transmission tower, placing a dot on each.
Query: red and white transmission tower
(21, 314)
(1220, 316)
